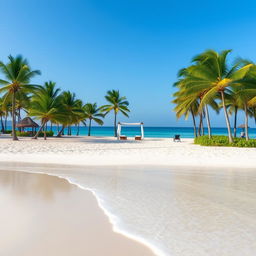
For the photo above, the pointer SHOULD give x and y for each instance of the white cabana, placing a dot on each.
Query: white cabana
(119, 128)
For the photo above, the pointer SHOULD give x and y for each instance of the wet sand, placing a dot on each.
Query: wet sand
(44, 215)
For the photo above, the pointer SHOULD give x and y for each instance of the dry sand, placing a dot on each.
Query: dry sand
(45, 215)
(108, 151)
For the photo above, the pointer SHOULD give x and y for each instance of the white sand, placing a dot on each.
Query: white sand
(46, 216)
(109, 151)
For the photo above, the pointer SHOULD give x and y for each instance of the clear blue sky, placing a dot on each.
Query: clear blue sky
(90, 46)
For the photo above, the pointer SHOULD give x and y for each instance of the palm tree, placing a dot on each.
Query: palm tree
(72, 110)
(117, 104)
(186, 106)
(18, 75)
(189, 103)
(46, 106)
(211, 76)
(92, 112)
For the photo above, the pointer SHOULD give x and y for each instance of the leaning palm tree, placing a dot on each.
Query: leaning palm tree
(117, 104)
(186, 106)
(211, 76)
(93, 113)
(17, 78)
(46, 108)
(189, 103)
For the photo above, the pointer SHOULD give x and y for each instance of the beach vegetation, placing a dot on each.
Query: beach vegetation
(211, 81)
(30, 134)
(47, 103)
(223, 141)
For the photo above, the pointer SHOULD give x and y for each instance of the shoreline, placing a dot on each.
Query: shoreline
(113, 219)
(99, 220)
(186, 176)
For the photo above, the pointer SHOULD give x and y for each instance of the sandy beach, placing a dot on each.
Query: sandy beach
(175, 198)
(95, 151)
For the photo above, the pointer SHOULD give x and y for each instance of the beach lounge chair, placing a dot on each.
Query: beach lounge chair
(123, 137)
(242, 135)
(137, 137)
(176, 138)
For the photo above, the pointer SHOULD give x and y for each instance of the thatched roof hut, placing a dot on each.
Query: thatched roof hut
(27, 122)
(242, 126)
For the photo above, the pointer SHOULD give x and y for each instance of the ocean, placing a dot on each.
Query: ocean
(152, 132)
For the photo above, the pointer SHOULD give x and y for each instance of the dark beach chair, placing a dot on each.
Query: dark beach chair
(137, 137)
(122, 137)
(176, 138)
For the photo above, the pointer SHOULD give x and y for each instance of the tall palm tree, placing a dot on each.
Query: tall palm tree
(17, 78)
(46, 106)
(93, 113)
(212, 76)
(116, 104)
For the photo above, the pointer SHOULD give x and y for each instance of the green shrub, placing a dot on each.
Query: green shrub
(7, 131)
(48, 134)
(217, 140)
(30, 134)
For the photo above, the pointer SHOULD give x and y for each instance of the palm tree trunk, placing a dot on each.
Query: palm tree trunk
(2, 124)
(194, 123)
(208, 121)
(200, 125)
(226, 117)
(89, 128)
(40, 129)
(235, 121)
(60, 132)
(78, 129)
(19, 118)
(246, 122)
(5, 121)
(115, 125)
(14, 136)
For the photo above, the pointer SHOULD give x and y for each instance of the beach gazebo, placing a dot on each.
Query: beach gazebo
(119, 129)
(27, 122)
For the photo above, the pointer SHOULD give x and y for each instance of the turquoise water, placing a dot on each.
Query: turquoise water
(150, 132)
(153, 132)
